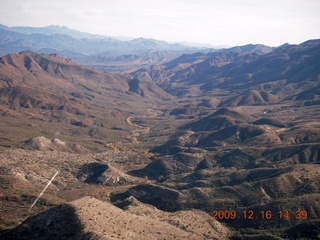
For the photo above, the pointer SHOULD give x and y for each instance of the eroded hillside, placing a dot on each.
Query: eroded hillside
(235, 154)
(53, 96)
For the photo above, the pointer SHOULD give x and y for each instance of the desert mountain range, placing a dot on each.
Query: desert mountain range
(159, 149)
(51, 88)
(90, 49)
(102, 52)
(260, 78)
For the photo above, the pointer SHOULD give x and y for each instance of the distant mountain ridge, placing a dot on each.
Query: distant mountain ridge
(50, 30)
(90, 49)
(93, 49)
(50, 38)
(257, 48)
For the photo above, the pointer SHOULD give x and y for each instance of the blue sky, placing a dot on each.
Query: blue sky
(217, 22)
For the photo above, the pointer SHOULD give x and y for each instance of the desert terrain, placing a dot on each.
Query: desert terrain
(207, 145)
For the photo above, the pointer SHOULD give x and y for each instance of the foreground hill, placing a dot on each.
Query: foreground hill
(58, 96)
(23, 173)
(89, 218)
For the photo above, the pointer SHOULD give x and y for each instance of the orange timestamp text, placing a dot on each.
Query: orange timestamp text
(264, 214)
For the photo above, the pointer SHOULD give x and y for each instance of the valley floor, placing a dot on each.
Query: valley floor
(180, 172)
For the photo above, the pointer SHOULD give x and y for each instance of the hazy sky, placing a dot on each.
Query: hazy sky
(218, 22)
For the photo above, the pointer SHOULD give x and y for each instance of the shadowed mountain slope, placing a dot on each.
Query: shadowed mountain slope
(252, 97)
(222, 118)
